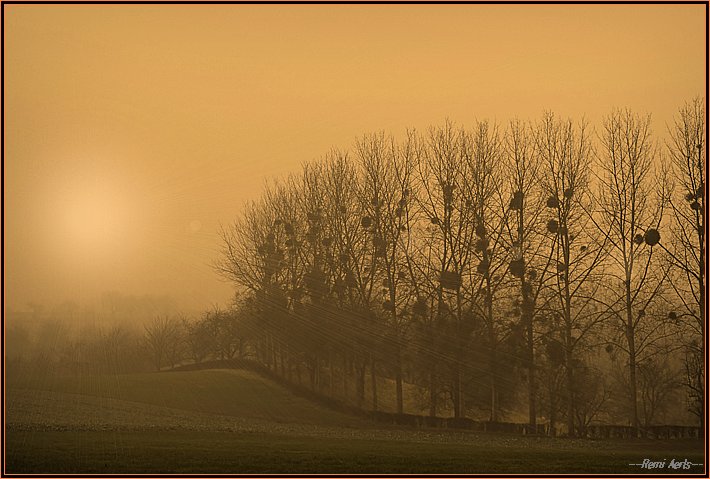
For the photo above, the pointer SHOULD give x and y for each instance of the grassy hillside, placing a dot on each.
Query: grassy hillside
(227, 392)
(238, 422)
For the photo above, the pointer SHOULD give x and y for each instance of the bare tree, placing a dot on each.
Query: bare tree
(223, 326)
(445, 253)
(591, 394)
(657, 384)
(483, 229)
(254, 257)
(529, 258)
(162, 338)
(686, 247)
(566, 153)
(349, 251)
(629, 215)
(386, 180)
(199, 339)
(243, 255)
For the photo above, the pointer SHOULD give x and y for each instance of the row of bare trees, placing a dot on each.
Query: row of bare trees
(469, 261)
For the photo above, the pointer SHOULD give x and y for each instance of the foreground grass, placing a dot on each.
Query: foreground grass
(238, 422)
(225, 452)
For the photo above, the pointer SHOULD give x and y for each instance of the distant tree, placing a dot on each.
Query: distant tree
(225, 331)
(695, 381)
(199, 338)
(591, 395)
(116, 349)
(162, 338)
(658, 382)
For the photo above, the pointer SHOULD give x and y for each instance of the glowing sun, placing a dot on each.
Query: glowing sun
(93, 216)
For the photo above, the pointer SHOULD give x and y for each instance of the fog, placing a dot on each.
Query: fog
(133, 132)
(354, 238)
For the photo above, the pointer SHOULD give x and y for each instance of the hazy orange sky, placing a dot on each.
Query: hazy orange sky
(133, 131)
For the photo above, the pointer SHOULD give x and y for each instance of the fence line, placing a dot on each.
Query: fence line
(597, 431)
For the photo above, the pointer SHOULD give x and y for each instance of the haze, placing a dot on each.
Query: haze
(133, 131)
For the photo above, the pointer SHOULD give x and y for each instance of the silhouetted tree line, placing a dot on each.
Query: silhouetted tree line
(544, 261)
(218, 334)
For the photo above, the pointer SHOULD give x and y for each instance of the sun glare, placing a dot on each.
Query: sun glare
(90, 220)
(93, 217)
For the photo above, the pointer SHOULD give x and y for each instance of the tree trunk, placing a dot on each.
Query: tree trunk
(630, 337)
(532, 385)
(553, 413)
(493, 364)
(289, 364)
(312, 374)
(457, 364)
(269, 352)
(281, 362)
(493, 380)
(398, 383)
(345, 377)
(158, 361)
(700, 229)
(316, 373)
(457, 390)
(331, 376)
(360, 384)
(432, 393)
(374, 384)
(570, 388)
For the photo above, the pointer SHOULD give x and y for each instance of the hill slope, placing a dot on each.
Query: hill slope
(226, 393)
(234, 421)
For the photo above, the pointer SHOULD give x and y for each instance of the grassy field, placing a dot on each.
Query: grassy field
(227, 421)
